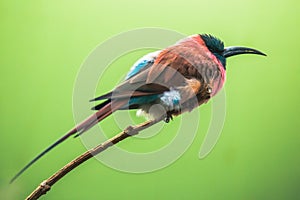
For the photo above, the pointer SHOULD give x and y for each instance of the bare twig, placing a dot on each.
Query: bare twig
(46, 185)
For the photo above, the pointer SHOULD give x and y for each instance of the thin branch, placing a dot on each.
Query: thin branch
(46, 185)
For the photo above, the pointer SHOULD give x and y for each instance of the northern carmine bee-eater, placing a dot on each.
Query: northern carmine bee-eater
(178, 79)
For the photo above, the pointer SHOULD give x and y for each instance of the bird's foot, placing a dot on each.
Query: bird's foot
(209, 89)
(207, 92)
(168, 117)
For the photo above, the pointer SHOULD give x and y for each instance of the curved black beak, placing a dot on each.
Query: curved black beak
(232, 51)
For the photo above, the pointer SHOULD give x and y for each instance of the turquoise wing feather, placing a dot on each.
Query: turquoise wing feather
(143, 63)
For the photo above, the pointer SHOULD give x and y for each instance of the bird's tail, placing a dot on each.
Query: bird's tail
(105, 109)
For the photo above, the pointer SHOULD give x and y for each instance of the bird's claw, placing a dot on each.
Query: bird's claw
(168, 117)
(207, 91)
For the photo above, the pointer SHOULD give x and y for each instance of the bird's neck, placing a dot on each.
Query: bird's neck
(222, 80)
(223, 77)
(219, 60)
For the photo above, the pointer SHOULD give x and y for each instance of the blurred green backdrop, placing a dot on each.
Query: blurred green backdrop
(43, 44)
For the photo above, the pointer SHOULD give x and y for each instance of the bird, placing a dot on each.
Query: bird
(164, 83)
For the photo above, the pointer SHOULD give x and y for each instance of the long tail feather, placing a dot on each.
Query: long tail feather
(60, 140)
(99, 116)
(101, 105)
(88, 123)
(105, 96)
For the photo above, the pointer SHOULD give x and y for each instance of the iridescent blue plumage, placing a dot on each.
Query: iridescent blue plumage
(137, 68)
(143, 99)
(169, 99)
(141, 64)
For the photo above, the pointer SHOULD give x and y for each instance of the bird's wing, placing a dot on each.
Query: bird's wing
(185, 66)
(139, 66)
(174, 65)
(162, 70)
(142, 64)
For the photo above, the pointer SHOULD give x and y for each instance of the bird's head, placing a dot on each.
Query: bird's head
(216, 47)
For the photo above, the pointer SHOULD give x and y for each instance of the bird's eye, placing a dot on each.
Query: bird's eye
(220, 51)
(216, 50)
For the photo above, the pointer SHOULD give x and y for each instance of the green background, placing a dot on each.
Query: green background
(43, 44)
